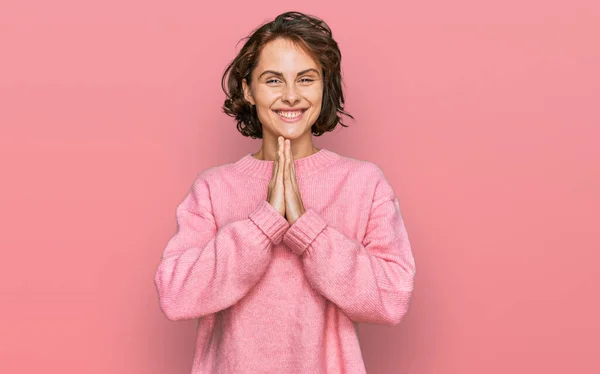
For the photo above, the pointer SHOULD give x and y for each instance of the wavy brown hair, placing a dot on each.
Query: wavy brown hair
(315, 38)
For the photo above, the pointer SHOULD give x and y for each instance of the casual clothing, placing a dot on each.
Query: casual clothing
(277, 298)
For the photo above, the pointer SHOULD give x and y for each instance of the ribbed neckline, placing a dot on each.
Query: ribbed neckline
(304, 166)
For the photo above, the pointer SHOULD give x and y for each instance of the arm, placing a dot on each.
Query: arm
(370, 281)
(202, 270)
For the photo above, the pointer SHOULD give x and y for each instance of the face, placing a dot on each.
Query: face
(287, 88)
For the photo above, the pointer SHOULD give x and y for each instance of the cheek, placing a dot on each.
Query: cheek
(263, 107)
(265, 115)
(316, 113)
(316, 101)
(317, 94)
(264, 97)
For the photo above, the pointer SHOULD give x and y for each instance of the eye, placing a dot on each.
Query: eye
(272, 80)
(306, 80)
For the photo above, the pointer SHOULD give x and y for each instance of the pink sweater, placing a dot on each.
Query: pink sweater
(275, 298)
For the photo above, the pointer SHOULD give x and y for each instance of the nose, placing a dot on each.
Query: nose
(289, 94)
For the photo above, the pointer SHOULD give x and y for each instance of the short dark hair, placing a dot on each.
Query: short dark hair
(313, 36)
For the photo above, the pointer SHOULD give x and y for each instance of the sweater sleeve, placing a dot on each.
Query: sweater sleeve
(370, 280)
(204, 269)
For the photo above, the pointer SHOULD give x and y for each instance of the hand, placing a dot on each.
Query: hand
(294, 207)
(275, 195)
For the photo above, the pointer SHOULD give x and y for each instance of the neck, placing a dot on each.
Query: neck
(304, 166)
(300, 148)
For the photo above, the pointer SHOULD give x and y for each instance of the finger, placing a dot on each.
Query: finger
(277, 158)
(280, 161)
(276, 168)
(285, 165)
(289, 142)
(293, 169)
(288, 160)
(276, 162)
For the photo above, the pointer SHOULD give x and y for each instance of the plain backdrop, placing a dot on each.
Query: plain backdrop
(484, 115)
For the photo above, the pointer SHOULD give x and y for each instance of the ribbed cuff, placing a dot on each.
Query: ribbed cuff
(269, 221)
(306, 228)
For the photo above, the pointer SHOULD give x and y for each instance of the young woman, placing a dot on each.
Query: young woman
(281, 254)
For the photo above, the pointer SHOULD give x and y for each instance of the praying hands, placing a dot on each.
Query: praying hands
(284, 194)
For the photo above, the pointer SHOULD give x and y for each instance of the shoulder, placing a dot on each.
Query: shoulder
(200, 194)
(205, 178)
(373, 177)
(364, 168)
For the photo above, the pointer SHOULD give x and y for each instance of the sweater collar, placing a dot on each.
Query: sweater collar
(304, 166)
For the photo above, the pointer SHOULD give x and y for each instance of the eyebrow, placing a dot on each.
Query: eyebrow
(280, 74)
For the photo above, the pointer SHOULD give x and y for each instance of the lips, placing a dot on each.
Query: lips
(290, 115)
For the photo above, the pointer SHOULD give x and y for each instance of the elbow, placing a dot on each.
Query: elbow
(168, 307)
(173, 311)
(396, 314)
(395, 318)
(176, 303)
(401, 301)
(388, 318)
(168, 312)
(390, 312)
(167, 300)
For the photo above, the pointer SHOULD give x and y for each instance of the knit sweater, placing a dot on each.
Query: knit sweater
(271, 297)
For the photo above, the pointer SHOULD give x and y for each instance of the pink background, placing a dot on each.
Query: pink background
(484, 116)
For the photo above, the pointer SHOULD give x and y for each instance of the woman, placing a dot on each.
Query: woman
(280, 254)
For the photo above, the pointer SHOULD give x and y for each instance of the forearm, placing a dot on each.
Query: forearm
(370, 281)
(199, 277)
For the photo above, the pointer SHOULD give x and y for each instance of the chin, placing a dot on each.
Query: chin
(293, 134)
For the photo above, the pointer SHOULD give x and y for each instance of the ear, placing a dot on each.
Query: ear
(247, 92)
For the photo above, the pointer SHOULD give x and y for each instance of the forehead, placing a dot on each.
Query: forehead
(283, 55)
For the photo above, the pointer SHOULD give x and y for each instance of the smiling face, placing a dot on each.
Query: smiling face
(287, 88)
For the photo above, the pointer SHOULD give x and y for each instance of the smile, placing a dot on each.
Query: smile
(290, 116)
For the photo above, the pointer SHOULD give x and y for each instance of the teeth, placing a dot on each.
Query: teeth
(290, 114)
